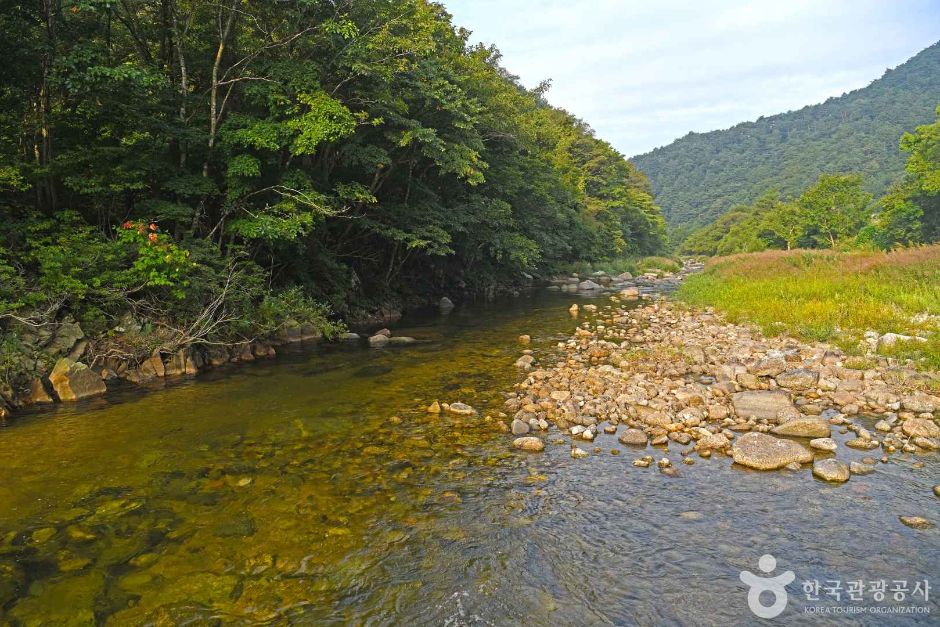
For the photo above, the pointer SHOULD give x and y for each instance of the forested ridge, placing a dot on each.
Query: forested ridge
(219, 167)
(836, 212)
(701, 176)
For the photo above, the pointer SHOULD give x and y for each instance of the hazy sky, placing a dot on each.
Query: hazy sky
(643, 73)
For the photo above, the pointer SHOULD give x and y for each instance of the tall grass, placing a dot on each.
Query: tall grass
(829, 296)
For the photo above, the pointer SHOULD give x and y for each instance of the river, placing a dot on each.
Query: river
(316, 489)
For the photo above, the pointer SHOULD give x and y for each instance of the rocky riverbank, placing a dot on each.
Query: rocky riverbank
(693, 386)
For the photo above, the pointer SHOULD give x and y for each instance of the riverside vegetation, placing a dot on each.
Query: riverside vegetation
(202, 175)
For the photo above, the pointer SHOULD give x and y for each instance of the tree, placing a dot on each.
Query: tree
(835, 207)
(360, 154)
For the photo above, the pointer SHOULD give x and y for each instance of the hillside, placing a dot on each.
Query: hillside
(702, 175)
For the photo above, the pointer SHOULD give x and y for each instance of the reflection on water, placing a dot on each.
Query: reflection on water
(316, 489)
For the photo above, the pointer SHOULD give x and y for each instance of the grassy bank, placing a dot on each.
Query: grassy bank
(830, 296)
(613, 267)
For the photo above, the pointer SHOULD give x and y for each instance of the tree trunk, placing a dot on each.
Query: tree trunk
(44, 153)
(224, 33)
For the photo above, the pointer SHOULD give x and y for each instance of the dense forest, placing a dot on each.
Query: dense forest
(218, 167)
(701, 176)
(836, 211)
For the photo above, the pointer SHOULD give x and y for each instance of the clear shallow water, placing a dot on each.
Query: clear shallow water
(283, 491)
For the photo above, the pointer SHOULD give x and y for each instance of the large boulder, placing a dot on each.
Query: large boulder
(153, 367)
(798, 379)
(73, 380)
(38, 393)
(769, 367)
(764, 405)
(920, 403)
(804, 427)
(64, 338)
(290, 331)
(181, 362)
(920, 427)
(765, 452)
(588, 286)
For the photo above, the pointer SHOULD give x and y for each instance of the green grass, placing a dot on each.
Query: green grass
(829, 296)
(633, 265)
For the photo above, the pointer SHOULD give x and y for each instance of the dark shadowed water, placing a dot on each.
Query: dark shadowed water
(315, 489)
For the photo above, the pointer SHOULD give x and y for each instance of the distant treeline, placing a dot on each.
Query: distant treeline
(836, 212)
(701, 176)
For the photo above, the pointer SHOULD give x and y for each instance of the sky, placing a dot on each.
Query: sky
(643, 73)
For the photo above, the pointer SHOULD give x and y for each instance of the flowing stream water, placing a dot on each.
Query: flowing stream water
(316, 489)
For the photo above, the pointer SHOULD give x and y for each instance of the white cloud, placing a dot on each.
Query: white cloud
(645, 73)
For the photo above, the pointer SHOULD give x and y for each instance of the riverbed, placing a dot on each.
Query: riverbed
(315, 489)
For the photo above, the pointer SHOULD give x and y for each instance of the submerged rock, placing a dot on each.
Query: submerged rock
(831, 470)
(530, 443)
(858, 468)
(461, 409)
(916, 522)
(765, 452)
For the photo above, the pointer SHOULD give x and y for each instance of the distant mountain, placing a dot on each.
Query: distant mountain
(702, 175)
